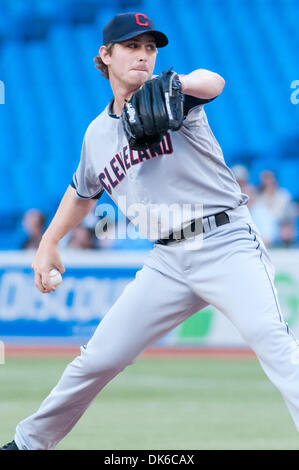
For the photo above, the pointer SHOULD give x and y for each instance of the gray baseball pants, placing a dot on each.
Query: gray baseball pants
(230, 270)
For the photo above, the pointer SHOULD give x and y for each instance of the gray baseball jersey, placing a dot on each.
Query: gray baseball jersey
(186, 168)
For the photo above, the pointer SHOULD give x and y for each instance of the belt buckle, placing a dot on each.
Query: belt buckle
(174, 239)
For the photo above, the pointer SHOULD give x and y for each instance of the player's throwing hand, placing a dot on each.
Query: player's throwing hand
(47, 257)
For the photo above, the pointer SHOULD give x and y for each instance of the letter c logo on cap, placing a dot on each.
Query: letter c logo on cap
(139, 17)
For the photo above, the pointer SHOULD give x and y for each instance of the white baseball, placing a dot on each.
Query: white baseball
(55, 278)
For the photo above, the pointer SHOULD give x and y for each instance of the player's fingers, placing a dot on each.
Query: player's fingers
(38, 282)
(46, 283)
(60, 268)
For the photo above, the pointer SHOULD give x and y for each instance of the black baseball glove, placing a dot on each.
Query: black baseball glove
(153, 110)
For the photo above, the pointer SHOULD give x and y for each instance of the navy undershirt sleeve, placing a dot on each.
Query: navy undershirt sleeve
(191, 102)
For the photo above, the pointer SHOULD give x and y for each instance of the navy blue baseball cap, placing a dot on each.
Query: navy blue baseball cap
(129, 25)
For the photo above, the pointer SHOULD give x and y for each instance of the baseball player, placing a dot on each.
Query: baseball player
(152, 146)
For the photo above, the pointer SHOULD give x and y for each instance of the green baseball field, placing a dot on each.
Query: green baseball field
(160, 403)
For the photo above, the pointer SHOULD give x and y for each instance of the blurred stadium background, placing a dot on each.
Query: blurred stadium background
(53, 91)
(50, 91)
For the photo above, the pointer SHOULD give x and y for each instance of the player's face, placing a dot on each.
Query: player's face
(132, 62)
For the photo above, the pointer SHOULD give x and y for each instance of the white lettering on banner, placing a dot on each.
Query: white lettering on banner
(76, 299)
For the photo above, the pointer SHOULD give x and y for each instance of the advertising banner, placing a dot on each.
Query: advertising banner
(92, 283)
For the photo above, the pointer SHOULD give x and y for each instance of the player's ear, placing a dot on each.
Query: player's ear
(105, 55)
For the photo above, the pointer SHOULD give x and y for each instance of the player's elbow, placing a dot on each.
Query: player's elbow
(219, 84)
(213, 85)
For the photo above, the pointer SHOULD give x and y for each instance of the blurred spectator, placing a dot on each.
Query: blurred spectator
(81, 238)
(242, 176)
(276, 199)
(287, 236)
(33, 223)
(269, 207)
(266, 222)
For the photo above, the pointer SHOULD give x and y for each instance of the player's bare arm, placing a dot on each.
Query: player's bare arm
(202, 83)
(70, 213)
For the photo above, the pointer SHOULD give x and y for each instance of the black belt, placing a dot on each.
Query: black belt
(220, 219)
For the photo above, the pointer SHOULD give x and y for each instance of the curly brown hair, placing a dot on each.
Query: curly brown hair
(100, 64)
